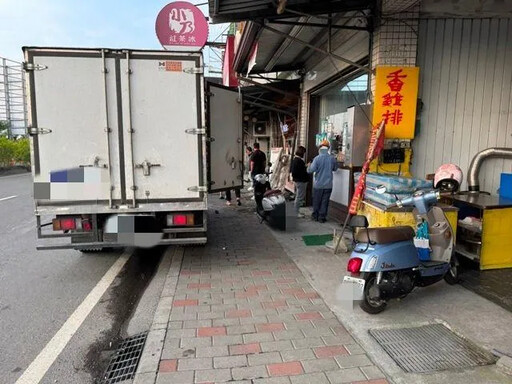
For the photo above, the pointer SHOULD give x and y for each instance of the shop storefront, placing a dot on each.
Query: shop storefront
(463, 53)
(332, 113)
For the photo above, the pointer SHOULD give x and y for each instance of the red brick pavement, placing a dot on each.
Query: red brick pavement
(243, 312)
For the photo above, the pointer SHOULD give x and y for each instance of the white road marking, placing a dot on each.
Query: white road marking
(8, 198)
(17, 175)
(38, 368)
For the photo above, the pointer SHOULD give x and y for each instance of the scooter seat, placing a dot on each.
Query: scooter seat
(272, 192)
(385, 235)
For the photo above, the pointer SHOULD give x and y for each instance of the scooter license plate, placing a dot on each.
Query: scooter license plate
(357, 286)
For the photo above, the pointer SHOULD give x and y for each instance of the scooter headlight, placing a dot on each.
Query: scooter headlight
(372, 263)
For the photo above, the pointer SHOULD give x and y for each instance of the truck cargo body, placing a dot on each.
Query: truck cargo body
(120, 141)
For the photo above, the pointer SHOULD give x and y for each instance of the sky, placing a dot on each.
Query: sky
(85, 23)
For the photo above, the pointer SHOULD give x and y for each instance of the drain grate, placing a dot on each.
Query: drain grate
(430, 348)
(124, 363)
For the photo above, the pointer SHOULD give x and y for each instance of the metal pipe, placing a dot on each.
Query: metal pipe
(318, 25)
(476, 163)
(269, 87)
(270, 108)
(130, 126)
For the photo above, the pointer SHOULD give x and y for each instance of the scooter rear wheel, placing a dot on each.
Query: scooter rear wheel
(368, 304)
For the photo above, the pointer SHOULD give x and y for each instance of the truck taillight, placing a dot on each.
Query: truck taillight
(354, 264)
(64, 224)
(71, 223)
(180, 220)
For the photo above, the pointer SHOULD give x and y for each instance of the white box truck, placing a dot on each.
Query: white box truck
(126, 145)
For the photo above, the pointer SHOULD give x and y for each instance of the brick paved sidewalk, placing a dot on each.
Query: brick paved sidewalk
(242, 312)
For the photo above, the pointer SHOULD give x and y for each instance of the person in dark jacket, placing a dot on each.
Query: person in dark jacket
(300, 178)
(257, 162)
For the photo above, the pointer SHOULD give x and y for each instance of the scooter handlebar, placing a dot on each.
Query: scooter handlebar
(419, 200)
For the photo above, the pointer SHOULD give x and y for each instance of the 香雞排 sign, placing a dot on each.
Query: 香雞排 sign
(396, 92)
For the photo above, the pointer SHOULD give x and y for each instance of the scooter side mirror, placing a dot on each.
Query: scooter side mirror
(358, 221)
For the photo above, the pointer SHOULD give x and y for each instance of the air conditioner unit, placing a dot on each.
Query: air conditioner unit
(260, 130)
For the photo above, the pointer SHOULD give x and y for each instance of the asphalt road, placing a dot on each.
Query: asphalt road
(40, 290)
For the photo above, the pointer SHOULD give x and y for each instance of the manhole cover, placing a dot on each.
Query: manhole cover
(430, 348)
(124, 363)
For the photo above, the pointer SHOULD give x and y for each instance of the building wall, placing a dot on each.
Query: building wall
(395, 39)
(465, 8)
(465, 87)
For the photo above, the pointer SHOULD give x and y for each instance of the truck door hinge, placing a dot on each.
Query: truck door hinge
(197, 189)
(34, 67)
(33, 131)
(194, 71)
(196, 131)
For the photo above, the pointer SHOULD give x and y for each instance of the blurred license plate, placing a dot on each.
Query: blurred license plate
(357, 286)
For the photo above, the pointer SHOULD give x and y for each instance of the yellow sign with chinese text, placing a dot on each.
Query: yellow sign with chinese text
(396, 93)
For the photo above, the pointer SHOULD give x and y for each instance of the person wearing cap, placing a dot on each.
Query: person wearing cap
(322, 168)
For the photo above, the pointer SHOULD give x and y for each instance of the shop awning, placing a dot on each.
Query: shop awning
(293, 43)
(228, 11)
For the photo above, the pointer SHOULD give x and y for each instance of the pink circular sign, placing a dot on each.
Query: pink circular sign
(181, 26)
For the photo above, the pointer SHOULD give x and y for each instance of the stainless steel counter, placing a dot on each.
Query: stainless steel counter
(483, 201)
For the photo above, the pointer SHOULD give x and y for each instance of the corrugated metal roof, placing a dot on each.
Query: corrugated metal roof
(276, 52)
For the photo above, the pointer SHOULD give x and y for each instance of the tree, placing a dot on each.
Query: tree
(4, 128)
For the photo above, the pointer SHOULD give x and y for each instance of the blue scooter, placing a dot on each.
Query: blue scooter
(385, 263)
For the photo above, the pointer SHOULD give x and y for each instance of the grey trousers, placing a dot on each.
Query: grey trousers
(300, 194)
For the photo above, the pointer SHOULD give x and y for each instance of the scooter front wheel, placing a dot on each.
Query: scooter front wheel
(370, 304)
(452, 276)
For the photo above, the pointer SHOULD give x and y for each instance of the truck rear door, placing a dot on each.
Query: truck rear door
(162, 115)
(73, 125)
(224, 141)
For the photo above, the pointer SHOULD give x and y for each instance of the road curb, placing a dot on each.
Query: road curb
(150, 359)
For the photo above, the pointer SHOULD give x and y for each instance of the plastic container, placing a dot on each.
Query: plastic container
(506, 185)
(424, 254)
